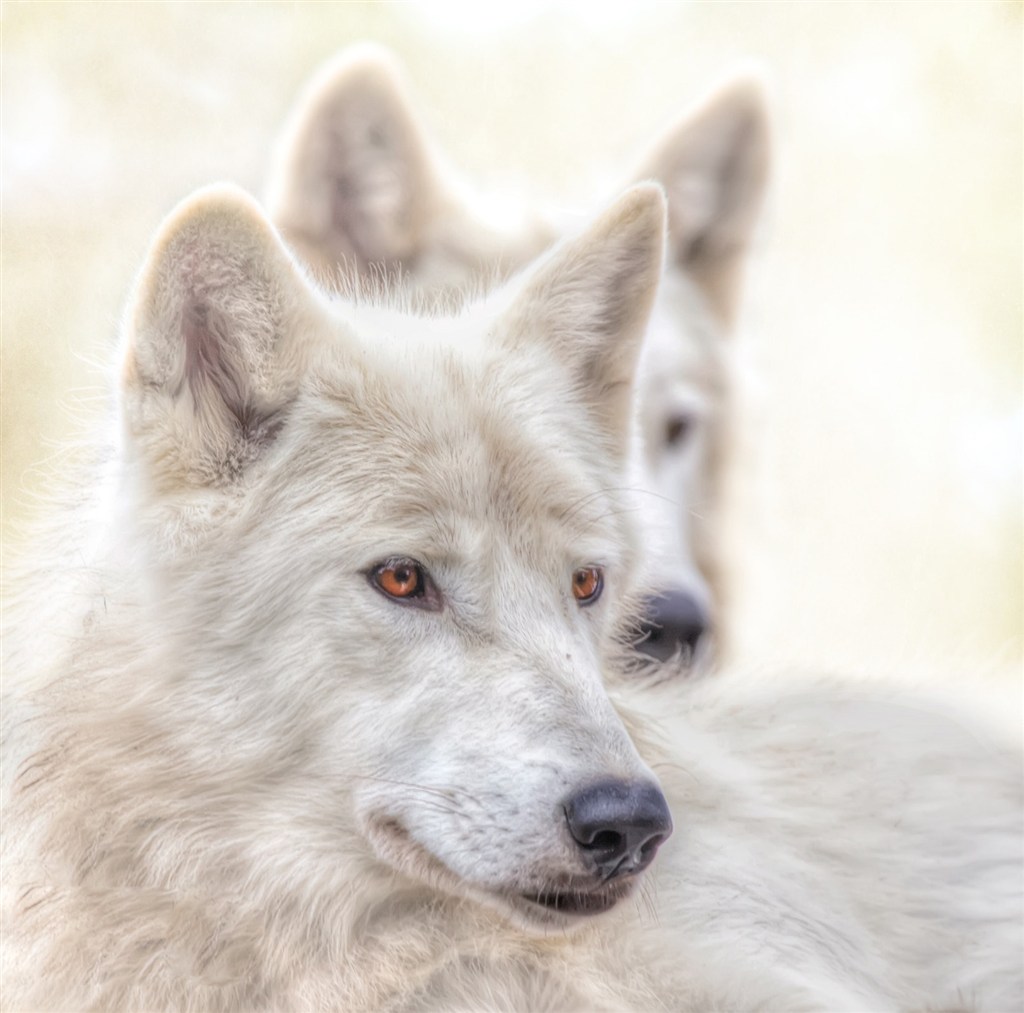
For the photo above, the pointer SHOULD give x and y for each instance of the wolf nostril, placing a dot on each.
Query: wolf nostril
(618, 825)
(672, 621)
(605, 840)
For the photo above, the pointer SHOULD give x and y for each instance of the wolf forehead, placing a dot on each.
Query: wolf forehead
(439, 426)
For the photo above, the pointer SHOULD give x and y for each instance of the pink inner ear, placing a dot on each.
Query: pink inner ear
(215, 372)
(209, 369)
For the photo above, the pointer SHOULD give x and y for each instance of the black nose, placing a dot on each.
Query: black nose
(672, 621)
(619, 825)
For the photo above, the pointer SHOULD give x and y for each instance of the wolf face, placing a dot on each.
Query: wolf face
(361, 193)
(345, 512)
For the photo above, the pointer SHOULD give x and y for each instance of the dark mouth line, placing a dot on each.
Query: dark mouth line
(576, 901)
(582, 901)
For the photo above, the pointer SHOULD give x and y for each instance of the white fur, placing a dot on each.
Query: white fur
(239, 777)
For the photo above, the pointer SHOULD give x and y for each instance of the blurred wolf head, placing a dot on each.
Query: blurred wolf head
(361, 193)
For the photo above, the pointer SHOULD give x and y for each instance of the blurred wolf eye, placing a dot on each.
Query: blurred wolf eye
(677, 429)
(406, 581)
(587, 584)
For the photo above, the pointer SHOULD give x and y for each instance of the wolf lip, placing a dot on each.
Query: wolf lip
(398, 849)
(581, 902)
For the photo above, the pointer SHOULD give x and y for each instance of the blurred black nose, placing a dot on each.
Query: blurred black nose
(619, 825)
(672, 621)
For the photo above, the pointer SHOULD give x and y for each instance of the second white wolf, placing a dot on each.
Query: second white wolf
(362, 194)
(317, 706)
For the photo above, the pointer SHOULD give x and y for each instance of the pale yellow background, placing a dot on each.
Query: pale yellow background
(883, 319)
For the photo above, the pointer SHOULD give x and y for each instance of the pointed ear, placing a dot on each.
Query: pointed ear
(714, 165)
(355, 176)
(587, 303)
(216, 341)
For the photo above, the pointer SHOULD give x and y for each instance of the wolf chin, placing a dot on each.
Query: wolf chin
(320, 709)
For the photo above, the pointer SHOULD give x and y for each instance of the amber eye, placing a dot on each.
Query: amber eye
(400, 578)
(587, 584)
(406, 582)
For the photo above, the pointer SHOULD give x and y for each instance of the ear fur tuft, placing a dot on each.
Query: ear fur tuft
(213, 352)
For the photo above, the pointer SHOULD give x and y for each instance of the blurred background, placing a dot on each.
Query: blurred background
(883, 318)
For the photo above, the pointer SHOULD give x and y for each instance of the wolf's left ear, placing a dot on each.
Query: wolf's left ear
(714, 165)
(588, 301)
(216, 342)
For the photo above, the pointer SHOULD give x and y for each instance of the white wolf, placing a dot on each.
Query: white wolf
(359, 183)
(319, 711)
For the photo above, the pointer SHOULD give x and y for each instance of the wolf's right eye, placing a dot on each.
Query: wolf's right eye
(406, 581)
(400, 578)
(587, 584)
(677, 429)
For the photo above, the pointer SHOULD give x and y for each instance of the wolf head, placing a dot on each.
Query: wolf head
(360, 188)
(386, 556)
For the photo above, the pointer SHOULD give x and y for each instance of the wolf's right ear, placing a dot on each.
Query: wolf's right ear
(714, 165)
(217, 339)
(587, 303)
(355, 176)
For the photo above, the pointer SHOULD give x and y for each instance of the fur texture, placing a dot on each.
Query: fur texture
(363, 194)
(241, 776)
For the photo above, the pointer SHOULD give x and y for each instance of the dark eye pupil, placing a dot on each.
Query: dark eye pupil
(403, 574)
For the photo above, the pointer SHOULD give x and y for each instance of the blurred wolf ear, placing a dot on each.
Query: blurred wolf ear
(216, 341)
(587, 303)
(355, 176)
(714, 165)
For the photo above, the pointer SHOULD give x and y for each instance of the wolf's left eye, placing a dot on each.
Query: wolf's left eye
(400, 579)
(587, 584)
